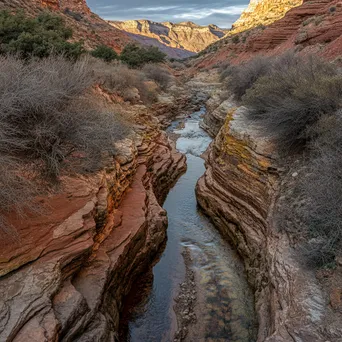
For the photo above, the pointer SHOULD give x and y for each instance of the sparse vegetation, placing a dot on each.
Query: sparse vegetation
(50, 124)
(128, 83)
(291, 97)
(41, 36)
(242, 77)
(298, 100)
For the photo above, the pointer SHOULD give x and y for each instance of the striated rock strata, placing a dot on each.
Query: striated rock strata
(315, 27)
(64, 278)
(239, 191)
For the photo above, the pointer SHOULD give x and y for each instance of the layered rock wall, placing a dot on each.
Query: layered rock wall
(239, 192)
(65, 276)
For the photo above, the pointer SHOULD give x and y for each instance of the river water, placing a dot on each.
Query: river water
(224, 306)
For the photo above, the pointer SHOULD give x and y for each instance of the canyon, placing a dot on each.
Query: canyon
(69, 273)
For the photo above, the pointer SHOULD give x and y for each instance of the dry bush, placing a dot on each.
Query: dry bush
(322, 188)
(49, 122)
(239, 78)
(292, 97)
(157, 74)
(121, 79)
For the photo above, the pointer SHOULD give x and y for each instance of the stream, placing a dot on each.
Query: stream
(224, 308)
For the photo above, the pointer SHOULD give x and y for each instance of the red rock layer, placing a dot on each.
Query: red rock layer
(66, 275)
(313, 27)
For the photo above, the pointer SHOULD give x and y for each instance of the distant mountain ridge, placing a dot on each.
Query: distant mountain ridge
(185, 36)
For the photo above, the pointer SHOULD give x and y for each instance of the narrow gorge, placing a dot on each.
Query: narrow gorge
(170, 171)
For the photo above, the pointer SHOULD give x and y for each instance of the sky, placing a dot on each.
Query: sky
(222, 13)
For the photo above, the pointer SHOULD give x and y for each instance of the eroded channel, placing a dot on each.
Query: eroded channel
(220, 301)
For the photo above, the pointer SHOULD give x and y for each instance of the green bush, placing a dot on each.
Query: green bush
(136, 56)
(105, 52)
(236, 39)
(41, 36)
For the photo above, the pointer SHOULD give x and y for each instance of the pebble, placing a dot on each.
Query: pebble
(295, 174)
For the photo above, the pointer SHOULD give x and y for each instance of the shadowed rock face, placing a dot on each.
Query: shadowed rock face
(186, 35)
(239, 191)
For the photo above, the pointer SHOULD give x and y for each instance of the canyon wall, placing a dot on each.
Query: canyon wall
(66, 272)
(314, 27)
(186, 35)
(239, 191)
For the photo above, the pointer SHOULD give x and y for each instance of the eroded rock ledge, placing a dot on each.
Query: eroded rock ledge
(239, 191)
(66, 276)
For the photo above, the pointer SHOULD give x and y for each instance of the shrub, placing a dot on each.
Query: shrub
(332, 9)
(49, 121)
(236, 39)
(292, 97)
(242, 77)
(104, 52)
(158, 74)
(322, 213)
(121, 79)
(40, 36)
(49, 124)
(136, 56)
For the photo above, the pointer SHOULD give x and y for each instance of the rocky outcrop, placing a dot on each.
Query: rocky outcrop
(186, 35)
(239, 191)
(263, 12)
(315, 27)
(65, 275)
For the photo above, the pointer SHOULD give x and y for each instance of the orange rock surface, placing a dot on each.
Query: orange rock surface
(314, 27)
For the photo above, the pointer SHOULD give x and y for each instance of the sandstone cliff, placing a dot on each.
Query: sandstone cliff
(65, 276)
(313, 27)
(263, 12)
(186, 35)
(239, 191)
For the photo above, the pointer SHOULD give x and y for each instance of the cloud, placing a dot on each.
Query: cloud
(203, 12)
